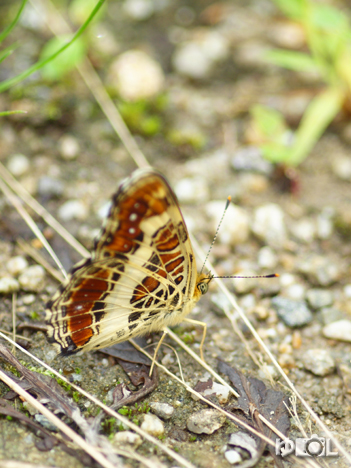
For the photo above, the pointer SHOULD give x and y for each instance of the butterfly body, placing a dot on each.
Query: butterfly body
(140, 278)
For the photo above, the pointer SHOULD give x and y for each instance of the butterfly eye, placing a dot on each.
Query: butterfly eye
(203, 287)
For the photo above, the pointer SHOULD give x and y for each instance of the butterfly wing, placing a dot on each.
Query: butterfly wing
(141, 276)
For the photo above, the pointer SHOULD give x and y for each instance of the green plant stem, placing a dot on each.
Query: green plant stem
(13, 81)
(9, 28)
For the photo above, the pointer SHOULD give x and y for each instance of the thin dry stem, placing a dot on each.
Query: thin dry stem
(16, 202)
(56, 421)
(108, 410)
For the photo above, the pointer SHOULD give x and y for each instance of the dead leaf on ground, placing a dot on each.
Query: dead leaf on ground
(256, 399)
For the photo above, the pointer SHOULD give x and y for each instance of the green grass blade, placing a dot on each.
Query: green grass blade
(13, 81)
(291, 60)
(12, 112)
(319, 114)
(10, 27)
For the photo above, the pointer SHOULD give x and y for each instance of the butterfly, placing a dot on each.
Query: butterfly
(141, 276)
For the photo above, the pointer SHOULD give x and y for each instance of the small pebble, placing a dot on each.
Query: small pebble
(267, 258)
(341, 166)
(318, 298)
(325, 224)
(269, 226)
(139, 10)
(192, 190)
(295, 292)
(320, 270)
(162, 410)
(347, 290)
(318, 361)
(296, 340)
(69, 147)
(233, 457)
(49, 187)
(73, 209)
(16, 265)
(304, 230)
(32, 278)
(152, 425)
(293, 313)
(244, 285)
(249, 158)
(267, 372)
(235, 225)
(196, 59)
(28, 299)
(340, 330)
(128, 437)
(136, 76)
(206, 421)
(18, 164)
(8, 285)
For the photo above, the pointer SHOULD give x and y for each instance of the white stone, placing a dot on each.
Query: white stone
(128, 437)
(162, 410)
(233, 457)
(18, 164)
(234, 229)
(341, 166)
(136, 76)
(73, 209)
(196, 58)
(267, 258)
(16, 265)
(318, 361)
(152, 425)
(206, 421)
(340, 330)
(32, 278)
(269, 226)
(69, 147)
(8, 285)
(304, 230)
(244, 285)
(139, 9)
(295, 291)
(192, 190)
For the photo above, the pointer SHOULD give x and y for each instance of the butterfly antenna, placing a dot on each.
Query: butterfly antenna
(272, 275)
(229, 199)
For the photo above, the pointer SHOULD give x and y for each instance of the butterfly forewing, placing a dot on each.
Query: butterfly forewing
(141, 276)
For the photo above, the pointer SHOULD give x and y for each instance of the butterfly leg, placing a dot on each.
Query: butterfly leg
(204, 325)
(156, 351)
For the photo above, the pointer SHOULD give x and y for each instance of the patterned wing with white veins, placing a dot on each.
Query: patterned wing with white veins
(141, 276)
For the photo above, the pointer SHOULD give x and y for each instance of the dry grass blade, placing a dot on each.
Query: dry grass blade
(56, 421)
(58, 26)
(36, 255)
(275, 363)
(108, 410)
(25, 196)
(16, 202)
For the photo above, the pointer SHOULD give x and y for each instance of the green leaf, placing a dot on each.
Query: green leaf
(292, 8)
(291, 60)
(319, 114)
(64, 62)
(269, 122)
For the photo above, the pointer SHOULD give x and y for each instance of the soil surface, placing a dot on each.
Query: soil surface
(193, 130)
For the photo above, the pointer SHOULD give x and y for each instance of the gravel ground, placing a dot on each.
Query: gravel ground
(195, 129)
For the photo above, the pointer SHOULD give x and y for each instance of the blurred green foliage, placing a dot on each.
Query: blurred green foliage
(328, 38)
